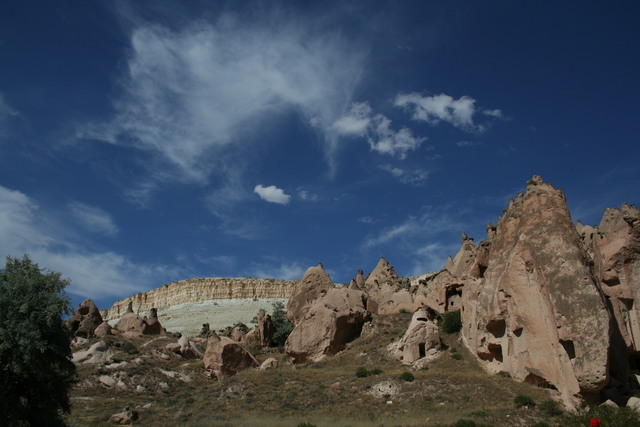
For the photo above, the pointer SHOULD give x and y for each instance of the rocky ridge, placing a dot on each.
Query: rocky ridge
(200, 290)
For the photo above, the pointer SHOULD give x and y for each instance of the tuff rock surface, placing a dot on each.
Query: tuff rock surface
(421, 342)
(85, 319)
(387, 293)
(328, 325)
(536, 311)
(314, 283)
(226, 357)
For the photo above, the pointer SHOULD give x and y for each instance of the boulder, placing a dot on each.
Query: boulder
(85, 319)
(225, 357)
(130, 323)
(153, 326)
(536, 311)
(126, 417)
(103, 330)
(314, 283)
(97, 353)
(189, 349)
(238, 332)
(270, 363)
(329, 324)
(634, 403)
(421, 342)
(262, 334)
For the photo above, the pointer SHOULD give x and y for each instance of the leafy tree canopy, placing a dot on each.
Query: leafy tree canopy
(36, 372)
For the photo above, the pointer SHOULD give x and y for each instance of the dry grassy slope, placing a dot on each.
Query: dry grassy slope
(325, 394)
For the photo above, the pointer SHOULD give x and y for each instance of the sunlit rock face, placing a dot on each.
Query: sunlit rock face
(194, 291)
(536, 310)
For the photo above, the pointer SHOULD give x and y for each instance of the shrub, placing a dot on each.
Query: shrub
(522, 400)
(609, 416)
(504, 374)
(376, 371)
(451, 322)
(362, 372)
(550, 408)
(464, 423)
(281, 325)
(456, 356)
(36, 372)
(407, 376)
(541, 424)
(306, 425)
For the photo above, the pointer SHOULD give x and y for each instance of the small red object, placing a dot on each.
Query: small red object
(595, 422)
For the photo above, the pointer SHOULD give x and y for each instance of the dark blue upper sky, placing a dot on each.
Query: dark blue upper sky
(143, 142)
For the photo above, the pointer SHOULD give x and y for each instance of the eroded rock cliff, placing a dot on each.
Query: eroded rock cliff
(200, 290)
(536, 311)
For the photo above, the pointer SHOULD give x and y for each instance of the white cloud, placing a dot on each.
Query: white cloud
(431, 257)
(407, 176)
(6, 113)
(283, 271)
(360, 121)
(367, 220)
(93, 218)
(25, 230)
(434, 109)
(272, 194)
(190, 94)
(356, 121)
(308, 196)
(463, 144)
(497, 113)
(429, 222)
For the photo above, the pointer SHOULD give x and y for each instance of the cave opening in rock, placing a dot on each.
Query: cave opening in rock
(453, 298)
(497, 327)
(569, 347)
(481, 270)
(496, 352)
(517, 332)
(421, 350)
(539, 381)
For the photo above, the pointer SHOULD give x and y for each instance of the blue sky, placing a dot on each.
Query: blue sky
(144, 142)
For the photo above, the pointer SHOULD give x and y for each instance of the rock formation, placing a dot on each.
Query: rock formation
(238, 332)
(421, 342)
(153, 326)
(131, 324)
(387, 293)
(536, 311)
(314, 283)
(201, 290)
(225, 357)
(85, 319)
(103, 330)
(332, 321)
(262, 334)
(270, 363)
(615, 248)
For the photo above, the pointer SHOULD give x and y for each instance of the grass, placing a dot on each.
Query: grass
(326, 393)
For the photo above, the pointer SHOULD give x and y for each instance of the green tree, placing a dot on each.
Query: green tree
(281, 325)
(36, 372)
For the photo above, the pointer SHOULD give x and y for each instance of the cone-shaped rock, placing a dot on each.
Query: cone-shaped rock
(383, 273)
(153, 326)
(314, 283)
(537, 312)
(85, 319)
(385, 295)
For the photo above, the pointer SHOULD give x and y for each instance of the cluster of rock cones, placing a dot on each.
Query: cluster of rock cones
(545, 300)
